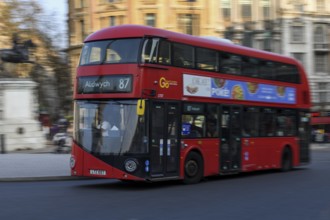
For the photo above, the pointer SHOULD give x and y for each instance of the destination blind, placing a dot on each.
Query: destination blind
(104, 84)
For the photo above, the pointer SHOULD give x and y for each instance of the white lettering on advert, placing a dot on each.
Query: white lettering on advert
(221, 92)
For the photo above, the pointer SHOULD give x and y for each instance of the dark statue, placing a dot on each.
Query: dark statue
(19, 53)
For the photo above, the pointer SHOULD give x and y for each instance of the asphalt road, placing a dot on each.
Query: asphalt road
(302, 194)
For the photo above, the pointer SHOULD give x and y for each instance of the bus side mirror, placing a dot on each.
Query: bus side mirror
(140, 108)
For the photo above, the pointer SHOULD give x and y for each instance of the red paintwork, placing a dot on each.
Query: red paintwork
(266, 153)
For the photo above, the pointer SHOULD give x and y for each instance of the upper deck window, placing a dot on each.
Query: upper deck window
(287, 73)
(230, 63)
(267, 70)
(150, 50)
(183, 55)
(250, 66)
(110, 51)
(206, 59)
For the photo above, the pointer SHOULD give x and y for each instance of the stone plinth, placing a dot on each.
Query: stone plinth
(18, 115)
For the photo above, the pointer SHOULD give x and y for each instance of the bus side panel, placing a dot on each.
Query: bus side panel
(96, 167)
(210, 151)
(165, 83)
(266, 153)
(249, 155)
(208, 148)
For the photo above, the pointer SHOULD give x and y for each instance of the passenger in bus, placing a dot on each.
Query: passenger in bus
(104, 126)
(102, 144)
(211, 130)
(195, 132)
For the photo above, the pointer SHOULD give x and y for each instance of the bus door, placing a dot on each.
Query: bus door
(230, 139)
(164, 139)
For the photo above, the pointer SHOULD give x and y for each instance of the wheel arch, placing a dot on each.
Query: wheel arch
(184, 157)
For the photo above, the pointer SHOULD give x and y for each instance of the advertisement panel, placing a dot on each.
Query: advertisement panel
(202, 86)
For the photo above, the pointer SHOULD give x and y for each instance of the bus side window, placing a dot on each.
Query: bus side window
(206, 59)
(212, 122)
(267, 70)
(267, 122)
(183, 55)
(149, 51)
(164, 53)
(287, 73)
(230, 63)
(193, 126)
(250, 122)
(250, 67)
(286, 123)
(280, 123)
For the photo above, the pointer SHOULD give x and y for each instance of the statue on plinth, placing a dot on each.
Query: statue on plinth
(18, 54)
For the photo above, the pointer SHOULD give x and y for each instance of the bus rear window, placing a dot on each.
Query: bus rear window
(110, 51)
(287, 73)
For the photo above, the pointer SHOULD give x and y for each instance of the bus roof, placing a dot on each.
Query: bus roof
(132, 31)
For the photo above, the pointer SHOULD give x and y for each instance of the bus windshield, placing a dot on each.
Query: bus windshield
(109, 127)
(110, 51)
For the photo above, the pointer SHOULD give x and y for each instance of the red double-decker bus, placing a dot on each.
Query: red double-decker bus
(154, 105)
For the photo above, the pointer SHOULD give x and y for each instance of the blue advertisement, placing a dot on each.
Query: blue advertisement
(232, 89)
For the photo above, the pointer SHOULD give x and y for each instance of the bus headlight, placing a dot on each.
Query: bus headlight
(131, 165)
(72, 162)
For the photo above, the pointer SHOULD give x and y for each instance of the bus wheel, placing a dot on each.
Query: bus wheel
(193, 168)
(286, 160)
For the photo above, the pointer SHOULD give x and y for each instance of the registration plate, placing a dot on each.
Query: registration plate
(98, 172)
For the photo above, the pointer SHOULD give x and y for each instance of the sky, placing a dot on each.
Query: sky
(59, 8)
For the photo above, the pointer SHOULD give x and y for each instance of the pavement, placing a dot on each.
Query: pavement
(47, 164)
(33, 165)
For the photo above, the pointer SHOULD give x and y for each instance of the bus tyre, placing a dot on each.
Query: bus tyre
(286, 160)
(193, 168)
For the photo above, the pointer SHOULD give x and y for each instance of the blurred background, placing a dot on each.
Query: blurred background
(40, 40)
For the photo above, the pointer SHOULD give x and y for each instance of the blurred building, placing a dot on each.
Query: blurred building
(298, 28)
(305, 36)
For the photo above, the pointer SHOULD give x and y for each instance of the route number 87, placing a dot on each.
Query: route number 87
(123, 84)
